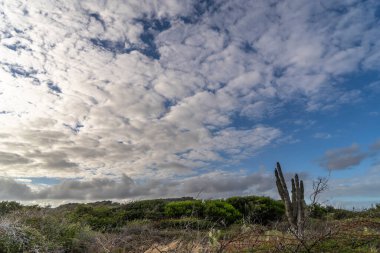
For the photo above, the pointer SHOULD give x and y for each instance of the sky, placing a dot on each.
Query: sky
(136, 99)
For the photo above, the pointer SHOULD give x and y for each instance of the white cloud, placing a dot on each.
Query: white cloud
(93, 88)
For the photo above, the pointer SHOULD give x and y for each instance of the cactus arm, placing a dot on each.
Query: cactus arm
(279, 187)
(283, 183)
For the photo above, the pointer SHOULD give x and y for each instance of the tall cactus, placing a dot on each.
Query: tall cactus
(295, 208)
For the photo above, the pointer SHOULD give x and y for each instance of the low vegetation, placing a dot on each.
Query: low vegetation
(237, 224)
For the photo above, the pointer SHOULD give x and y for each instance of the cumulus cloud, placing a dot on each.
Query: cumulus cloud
(342, 158)
(347, 157)
(156, 89)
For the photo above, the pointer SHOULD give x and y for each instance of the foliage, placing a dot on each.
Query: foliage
(147, 209)
(218, 211)
(207, 226)
(100, 218)
(38, 231)
(9, 206)
(187, 208)
(221, 212)
(317, 211)
(256, 209)
(12, 236)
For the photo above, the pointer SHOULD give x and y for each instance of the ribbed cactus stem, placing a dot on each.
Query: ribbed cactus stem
(301, 209)
(294, 209)
(297, 198)
(294, 202)
(284, 194)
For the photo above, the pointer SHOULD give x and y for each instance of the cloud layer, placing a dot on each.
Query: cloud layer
(207, 185)
(103, 90)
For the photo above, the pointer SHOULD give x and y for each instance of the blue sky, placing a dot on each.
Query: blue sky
(144, 99)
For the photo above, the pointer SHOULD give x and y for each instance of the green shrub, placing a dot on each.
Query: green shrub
(145, 209)
(9, 206)
(50, 232)
(213, 210)
(221, 212)
(37, 231)
(187, 208)
(317, 211)
(258, 209)
(12, 239)
(148, 209)
(100, 218)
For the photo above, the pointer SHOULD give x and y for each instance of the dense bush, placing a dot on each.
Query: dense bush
(317, 211)
(50, 231)
(213, 210)
(100, 218)
(187, 208)
(148, 209)
(32, 230)
(258, 209)
(12, 237)
(221, 212)
(9, 206)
